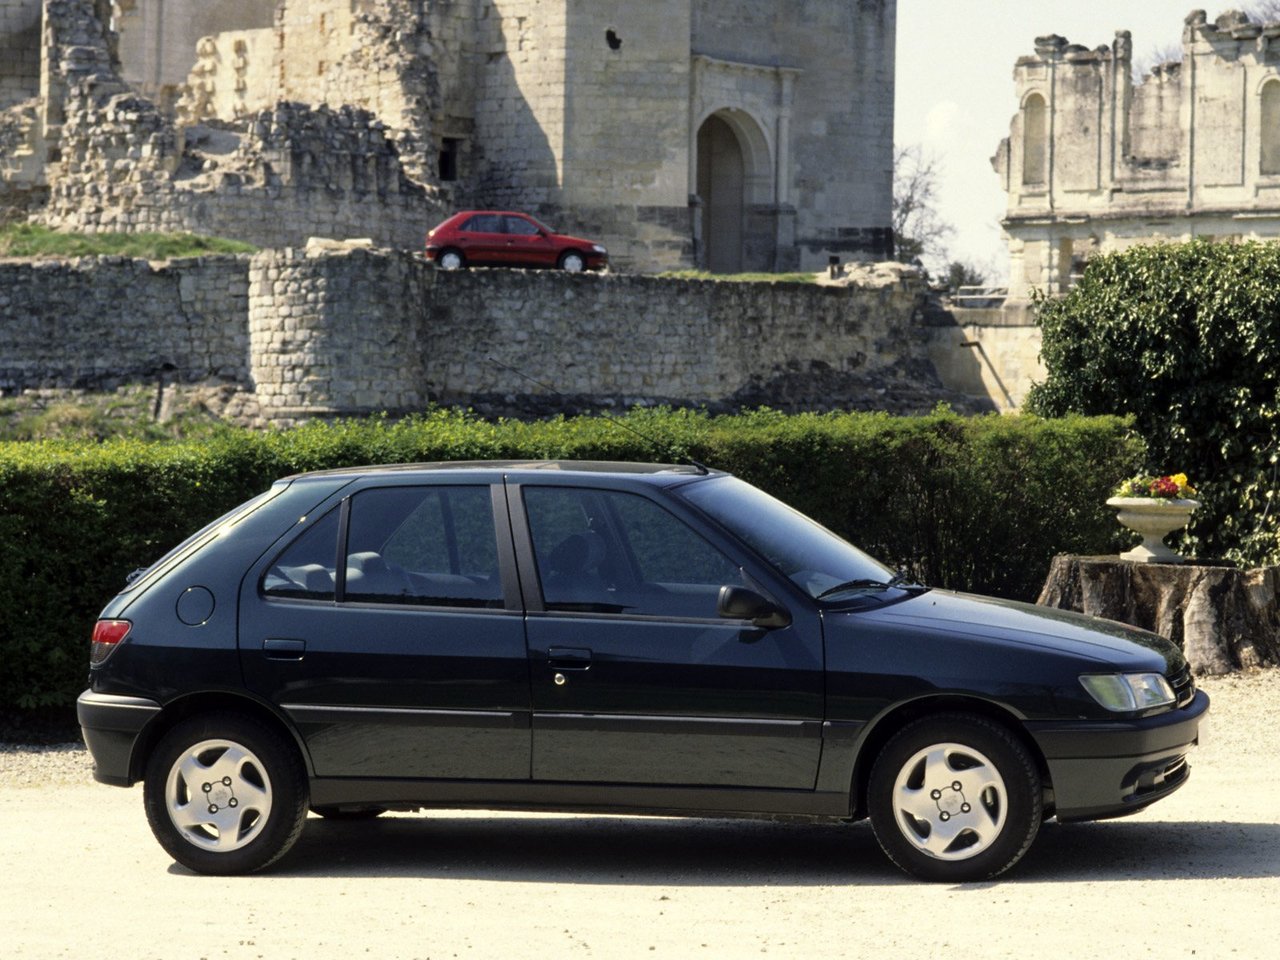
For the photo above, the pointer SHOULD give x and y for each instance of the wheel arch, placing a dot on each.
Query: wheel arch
(883, 728)
(194, 704)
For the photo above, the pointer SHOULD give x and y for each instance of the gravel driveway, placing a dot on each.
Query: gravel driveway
(1196, 875)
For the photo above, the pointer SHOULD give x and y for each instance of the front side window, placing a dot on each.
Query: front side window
(605, 551)
(520, 227)
(428, 546)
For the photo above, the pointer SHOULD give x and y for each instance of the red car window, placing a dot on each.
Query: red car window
(483, 223)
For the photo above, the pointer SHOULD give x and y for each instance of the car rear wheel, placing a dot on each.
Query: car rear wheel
(572, 262)
(451, 260)
(225, 794)
(955, 798)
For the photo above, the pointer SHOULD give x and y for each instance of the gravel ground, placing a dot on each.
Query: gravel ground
(1196, 875)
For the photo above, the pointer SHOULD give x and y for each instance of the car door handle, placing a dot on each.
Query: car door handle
(281, 648)
(568, 658)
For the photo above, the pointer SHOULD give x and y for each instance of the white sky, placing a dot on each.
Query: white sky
(955, 93)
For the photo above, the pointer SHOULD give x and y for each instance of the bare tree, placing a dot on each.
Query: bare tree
(918, 230)
(1263, 11)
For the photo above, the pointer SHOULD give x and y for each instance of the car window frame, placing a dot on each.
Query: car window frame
(512, 602)
(530, 575)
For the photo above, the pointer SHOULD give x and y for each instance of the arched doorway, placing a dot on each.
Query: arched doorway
(721, 181)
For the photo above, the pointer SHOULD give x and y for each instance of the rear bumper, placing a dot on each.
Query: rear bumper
(1114, 768)
(111, 725)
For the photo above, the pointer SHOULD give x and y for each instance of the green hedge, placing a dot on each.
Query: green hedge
(978, 504)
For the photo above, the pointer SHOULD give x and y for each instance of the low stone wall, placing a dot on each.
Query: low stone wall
(372, 330)
(350, 330)
(95, 323)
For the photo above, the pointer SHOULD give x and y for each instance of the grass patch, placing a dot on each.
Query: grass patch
(741, 277)
(30, 240)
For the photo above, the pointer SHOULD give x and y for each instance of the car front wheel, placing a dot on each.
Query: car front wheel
(451, 260)
(572, 263)
(955, 798)
(225, 794)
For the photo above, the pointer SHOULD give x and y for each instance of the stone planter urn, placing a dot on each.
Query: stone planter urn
(1155, 518)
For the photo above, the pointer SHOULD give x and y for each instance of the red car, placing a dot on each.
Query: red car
(497, 238)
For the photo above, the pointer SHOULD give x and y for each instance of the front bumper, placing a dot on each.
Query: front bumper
(111, 725)
(1106, 769)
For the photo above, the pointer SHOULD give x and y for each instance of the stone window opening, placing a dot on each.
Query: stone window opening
(613, 40)
(448, 160)
(1270, 146)
(1034, 141)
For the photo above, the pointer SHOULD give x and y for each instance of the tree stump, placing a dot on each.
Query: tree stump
(1224, 619)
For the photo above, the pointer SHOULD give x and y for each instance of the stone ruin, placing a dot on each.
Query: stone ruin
(729, 134)
(90, 153)
(1098, 159)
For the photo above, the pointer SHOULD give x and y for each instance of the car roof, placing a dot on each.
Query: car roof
(658, 473)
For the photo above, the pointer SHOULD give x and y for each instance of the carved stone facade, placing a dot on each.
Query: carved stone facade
(734, 134)
(1097, 162)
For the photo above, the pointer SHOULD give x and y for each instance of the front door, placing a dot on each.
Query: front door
(635, 679)
(408, 659)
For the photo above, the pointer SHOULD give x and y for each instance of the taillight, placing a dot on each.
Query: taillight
(107, 635)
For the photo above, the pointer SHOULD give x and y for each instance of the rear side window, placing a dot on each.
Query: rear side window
(483, 223)
(428, 546)
(305, 569)
(424, 546)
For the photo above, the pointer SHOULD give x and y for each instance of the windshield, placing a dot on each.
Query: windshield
(813, 557)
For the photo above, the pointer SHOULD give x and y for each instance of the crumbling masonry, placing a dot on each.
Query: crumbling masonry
(732, 134)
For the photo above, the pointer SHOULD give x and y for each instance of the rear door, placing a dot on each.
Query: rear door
(483, 240)
(390, 631)
(635, 679)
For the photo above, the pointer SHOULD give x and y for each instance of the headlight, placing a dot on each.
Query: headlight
(1128, 692)
(598, 249)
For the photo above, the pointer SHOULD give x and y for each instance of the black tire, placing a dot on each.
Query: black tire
(955, 798)
(573, 262)
(349, 813)
(225, 794)
(451, 260)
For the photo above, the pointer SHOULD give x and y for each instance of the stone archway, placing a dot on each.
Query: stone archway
(734, 179)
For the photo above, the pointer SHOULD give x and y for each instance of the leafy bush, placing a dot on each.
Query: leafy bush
(980, 504)
(1185, 339)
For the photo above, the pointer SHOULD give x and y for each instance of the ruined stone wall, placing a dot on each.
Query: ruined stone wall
(304, 334)
(295, 173)
(1191, 151)
(365, 331)
(370, 54)
(97, 323)
(158, 38)
(19, 51)
(234, 75)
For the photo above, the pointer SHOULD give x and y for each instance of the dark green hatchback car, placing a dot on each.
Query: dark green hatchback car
(608, 637)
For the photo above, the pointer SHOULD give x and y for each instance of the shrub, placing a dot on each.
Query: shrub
(979, 504)
(1185, 339)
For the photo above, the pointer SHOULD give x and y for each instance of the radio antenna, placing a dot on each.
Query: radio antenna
(702, 467)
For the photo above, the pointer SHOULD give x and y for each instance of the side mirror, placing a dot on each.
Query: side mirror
(741, 603)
